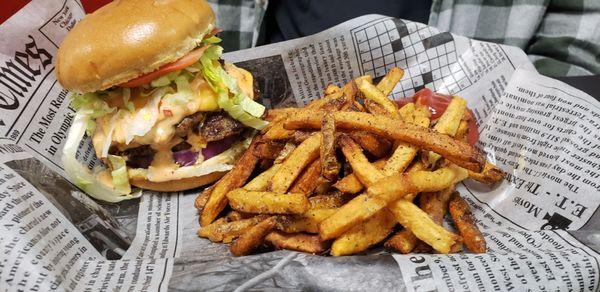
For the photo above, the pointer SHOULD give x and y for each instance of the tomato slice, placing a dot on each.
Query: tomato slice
(187, 60)
(437, 104)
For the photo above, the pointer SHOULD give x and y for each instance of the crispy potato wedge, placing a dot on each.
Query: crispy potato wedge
(298, 242)
(274, 114)
(308, 180)
(300, 157)
(253, 237)
(465, 223)
(235, 178)
(377, 146)
(364, 235)
(458, 152)
(267, 202)
(417, 221)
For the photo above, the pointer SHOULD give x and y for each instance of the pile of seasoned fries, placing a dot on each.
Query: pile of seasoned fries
(345, 172)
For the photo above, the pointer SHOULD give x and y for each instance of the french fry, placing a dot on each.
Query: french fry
(307, 181)
(267, 149)
(331, 89)
(385, 191)
(300, 136)
(278, 113)
(465, 223)
(435, 205)
(463, 130)
(333, 200)
(300, 157)
(389, 81)
(350, 90)
(275, 131)
(417, 221)
(288, 148)
(364, 235)
(404, 241)
(261, 182)
(449, 122)
(298, 242)
(377, 109)
(253, 237)
(220, 231)
(363, 169)
(372, 93)
(377, 146)
(330, 167)
(234, 215)
(405, 153)
(267, 202)
(235, 178)
(307, 222)
(202, 198)
(367, 78)
(490, 174)
(350, 183)
(459, 152)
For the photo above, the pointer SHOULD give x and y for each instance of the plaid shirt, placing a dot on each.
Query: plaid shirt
(240, 21)
(562, 37)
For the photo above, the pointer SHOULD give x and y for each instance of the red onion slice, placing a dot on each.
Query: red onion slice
(217, 147)
(185, 157)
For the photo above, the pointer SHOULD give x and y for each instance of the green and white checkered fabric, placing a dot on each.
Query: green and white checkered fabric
(561, 37)
(240, 21)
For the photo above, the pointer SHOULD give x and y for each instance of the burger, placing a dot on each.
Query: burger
(164, 112)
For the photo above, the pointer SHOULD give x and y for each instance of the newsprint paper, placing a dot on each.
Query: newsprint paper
(541, 223)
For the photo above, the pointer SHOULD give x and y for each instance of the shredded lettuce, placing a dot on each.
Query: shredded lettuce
(79, 174)
(211, 40)
(143, 120)
(91, 104)
(108, 140)
(240, 107)
(126, 100)
(120, 179)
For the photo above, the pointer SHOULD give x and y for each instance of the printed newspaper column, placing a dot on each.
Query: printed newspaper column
(34, 109)
(314, 65)
(40, 246)
(157, 228)
(516, 259)
(121, 275)
(546, 137)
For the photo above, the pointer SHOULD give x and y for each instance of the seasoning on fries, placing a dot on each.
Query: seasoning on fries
(341, 174)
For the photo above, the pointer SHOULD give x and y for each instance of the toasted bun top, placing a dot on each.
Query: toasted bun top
(128, 38)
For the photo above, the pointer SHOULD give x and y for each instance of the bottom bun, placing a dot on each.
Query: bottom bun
(179, 184)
